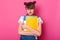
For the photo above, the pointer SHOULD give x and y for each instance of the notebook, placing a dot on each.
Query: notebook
(32, 21)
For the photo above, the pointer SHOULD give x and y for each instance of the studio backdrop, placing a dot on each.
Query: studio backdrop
(11, 10)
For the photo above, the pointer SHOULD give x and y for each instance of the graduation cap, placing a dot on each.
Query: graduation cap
(30, 5)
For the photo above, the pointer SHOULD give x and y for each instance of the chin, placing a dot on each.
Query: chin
(30, 14)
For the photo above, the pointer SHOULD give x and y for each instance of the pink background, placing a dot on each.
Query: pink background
(11, 10)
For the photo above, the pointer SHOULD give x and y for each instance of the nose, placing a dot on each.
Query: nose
(30, 11)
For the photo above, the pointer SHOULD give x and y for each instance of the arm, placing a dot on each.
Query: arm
(21, 32)
(38, 32)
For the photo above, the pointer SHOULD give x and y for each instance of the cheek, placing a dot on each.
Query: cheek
(32, 11)
(27, 11)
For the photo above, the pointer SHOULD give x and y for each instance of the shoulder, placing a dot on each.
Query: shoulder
(40, 19)
(20, 19)
(21, 16)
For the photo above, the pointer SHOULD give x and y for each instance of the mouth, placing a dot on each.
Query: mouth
(30, 12)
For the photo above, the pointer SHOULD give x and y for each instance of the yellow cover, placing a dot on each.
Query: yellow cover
(32, 21)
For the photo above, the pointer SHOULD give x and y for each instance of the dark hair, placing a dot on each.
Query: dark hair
(30, 5)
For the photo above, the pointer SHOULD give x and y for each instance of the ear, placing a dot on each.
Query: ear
(34, 2)
(25, 3)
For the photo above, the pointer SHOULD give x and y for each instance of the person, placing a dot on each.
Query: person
(32, 35)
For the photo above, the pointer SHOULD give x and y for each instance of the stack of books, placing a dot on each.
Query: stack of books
(32, 21)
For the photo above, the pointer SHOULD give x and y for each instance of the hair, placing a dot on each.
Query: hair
(30, 5)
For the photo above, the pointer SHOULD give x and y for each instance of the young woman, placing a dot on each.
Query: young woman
(32, 35)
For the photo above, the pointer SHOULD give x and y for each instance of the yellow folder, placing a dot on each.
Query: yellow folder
(32, 21)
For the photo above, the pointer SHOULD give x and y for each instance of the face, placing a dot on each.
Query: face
(30, 11)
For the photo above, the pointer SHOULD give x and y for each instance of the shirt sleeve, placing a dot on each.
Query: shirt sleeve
(20, 19)
(40, 20)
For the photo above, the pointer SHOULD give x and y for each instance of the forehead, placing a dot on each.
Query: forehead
(29, 9)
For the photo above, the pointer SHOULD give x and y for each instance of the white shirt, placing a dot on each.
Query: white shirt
(22, 17)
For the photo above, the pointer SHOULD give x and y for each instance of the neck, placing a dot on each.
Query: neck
(30, 15)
